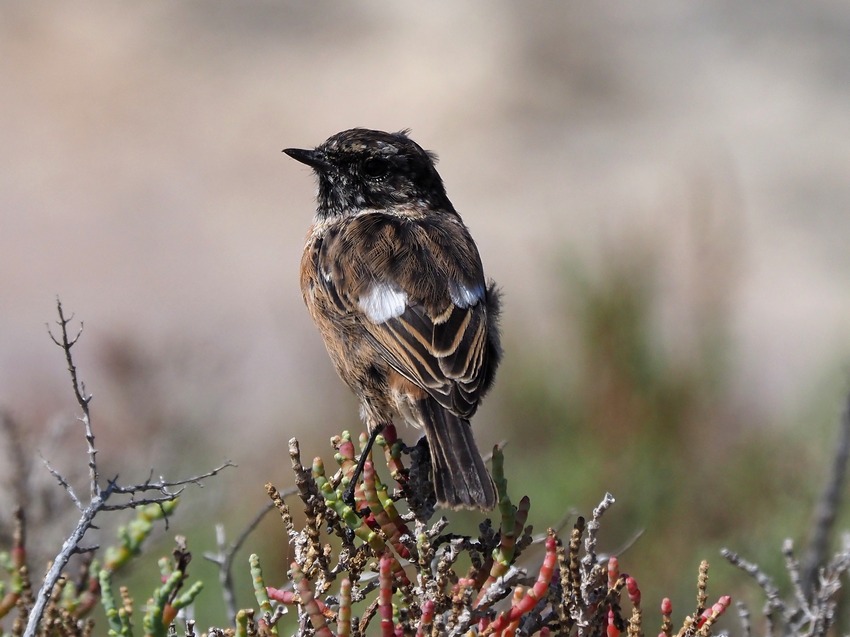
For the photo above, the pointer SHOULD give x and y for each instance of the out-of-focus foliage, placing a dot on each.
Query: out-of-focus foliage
(654, 419)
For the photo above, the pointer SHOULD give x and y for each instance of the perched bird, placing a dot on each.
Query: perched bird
(394, 282)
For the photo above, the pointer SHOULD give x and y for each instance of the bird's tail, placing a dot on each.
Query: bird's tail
(460, 478)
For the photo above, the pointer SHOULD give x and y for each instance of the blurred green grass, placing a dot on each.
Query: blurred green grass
(693, 466)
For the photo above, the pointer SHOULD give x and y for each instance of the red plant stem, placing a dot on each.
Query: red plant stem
(343, 622)
(613, 571)
(611, 630)
(346, 458)
(634, 591)
(393, 462)
(535, 593)
(291, 598)
(503, 555)
(381, 517)
(310, 603)
(666, 618)
(385, 594)
(427, 618)
(715, 611)
(168, 614)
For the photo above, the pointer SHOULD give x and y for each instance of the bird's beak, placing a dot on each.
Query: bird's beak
(313, 158)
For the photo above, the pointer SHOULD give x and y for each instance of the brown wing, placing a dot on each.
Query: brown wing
(418, 290)
(447, 360)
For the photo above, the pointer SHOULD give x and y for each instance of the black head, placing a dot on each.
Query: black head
(369, 169)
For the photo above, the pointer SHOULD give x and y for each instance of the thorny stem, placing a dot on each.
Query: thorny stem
(69, 547)
(589, 559)
(227, 552)
(79, 388)
(98, 496)
(827, 509)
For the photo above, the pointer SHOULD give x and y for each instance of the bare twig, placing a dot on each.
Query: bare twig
(69, 548)
(744, 617)
(764, 580)
(799, 614)
(590, 559)
(827, 510)
(227, 552)
(792, 566)
(168, 490)
(83, 399)
(18, 461)
(163, 486)
(63, 483)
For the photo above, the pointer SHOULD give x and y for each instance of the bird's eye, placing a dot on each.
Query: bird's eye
(376, 168)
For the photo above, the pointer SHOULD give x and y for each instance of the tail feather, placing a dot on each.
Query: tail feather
(460, 478)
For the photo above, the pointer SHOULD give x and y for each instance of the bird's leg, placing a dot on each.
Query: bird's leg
(348, 496)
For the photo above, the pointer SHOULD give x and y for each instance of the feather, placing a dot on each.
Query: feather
(382, 302)
(433, 329)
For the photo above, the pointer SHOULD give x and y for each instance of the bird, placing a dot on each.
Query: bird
(394, 282)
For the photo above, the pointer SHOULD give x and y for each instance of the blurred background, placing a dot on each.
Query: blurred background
(661, 189)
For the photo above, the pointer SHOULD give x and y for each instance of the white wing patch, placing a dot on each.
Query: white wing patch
(464, 296)
(382, 302)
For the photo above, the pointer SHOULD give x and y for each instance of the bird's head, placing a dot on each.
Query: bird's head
(361, 169)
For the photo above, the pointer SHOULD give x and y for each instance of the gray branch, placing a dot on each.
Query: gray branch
(137, 493)
(827, 510)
